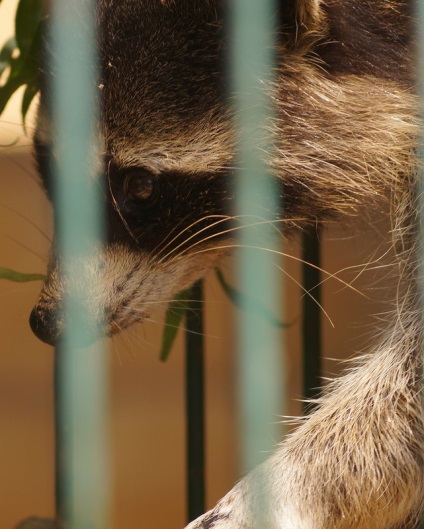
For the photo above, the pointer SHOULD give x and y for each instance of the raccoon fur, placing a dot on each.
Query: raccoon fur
(344, 138)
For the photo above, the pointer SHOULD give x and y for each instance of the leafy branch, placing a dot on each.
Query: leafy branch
(20, 55)
(19, 61)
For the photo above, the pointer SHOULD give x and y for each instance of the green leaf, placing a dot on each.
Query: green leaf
(23, 70)
(9, 88)
(11, 275)
(6, 54)
(28, 17)
(174, 315)
(242, 302)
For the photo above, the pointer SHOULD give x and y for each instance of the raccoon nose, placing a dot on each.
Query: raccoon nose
(44, 325)
(47, 325)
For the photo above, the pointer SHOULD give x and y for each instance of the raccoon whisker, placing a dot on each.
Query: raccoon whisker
(29, 221)
(132, 340)
(190, 331)
(206, 238)
(116, 206)
(222, 218)
(115, 326)
(171, 326)
(365, 268)
(232, 229)
(158, 248)
(229, 230)
(18, 124)
(123, 344)
(27, 248)
(280, 268)
(25, 171)
(306, 292)
(116, 350)
(166, 301)
(179, 234)
(288, 256)
(362, 268)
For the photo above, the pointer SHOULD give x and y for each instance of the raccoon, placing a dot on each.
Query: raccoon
(344, 138)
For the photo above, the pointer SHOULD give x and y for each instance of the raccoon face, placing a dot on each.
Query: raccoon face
(166, 143)
(164, 231)
(341, 137)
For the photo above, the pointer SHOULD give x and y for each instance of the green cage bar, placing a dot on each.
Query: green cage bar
(260, 354)
(81, 376)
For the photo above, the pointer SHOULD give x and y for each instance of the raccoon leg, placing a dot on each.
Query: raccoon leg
(355, 463)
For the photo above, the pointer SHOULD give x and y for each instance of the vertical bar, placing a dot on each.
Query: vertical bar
(59, 433)
(195, 404)
(311, 316)
(260, 353)
(81, 377)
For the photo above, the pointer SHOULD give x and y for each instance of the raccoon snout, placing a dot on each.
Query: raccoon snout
(44, 324)
(48, 326)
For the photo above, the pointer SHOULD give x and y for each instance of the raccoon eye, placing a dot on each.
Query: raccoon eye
(141, 190)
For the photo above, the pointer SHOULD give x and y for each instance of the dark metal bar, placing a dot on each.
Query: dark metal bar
(311, 315)
(195, 389)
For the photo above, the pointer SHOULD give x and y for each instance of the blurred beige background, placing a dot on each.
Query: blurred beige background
(146, 401)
